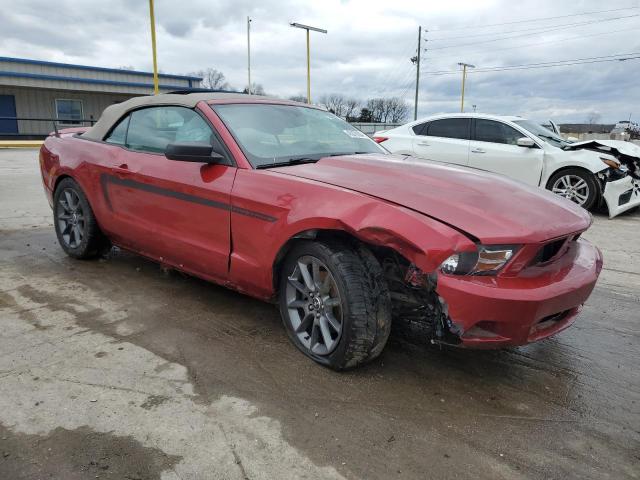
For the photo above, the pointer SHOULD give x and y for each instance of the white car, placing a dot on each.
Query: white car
(584, 172)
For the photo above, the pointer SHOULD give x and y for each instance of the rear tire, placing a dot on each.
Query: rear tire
(575, 184)
(338, 313)
(76, 226)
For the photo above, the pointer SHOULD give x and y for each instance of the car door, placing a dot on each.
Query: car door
(444, 140)
(494, 148)
(173, 211)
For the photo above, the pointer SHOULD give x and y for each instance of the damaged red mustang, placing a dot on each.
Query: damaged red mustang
(286, 202)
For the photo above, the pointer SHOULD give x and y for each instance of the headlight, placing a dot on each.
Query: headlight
(487, 260)
(612, 163)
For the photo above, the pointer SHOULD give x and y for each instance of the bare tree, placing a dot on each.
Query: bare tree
(593, 117)
(350, 108)
(376, 108)
(256, 89)
(298, 98)
(398, 110)
(385, 110)
(335, 103)
(213, 79)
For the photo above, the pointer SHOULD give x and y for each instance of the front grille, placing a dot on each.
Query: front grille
(625, 197)
(548, 251)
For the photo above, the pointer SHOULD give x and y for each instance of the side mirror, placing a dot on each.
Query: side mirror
(192, 152)
(526, 142)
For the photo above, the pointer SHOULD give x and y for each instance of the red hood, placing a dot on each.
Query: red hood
(490, 207)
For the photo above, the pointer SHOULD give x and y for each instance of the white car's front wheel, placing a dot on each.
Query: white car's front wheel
(575, 184)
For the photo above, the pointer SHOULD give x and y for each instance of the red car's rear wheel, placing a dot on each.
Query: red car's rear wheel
(76, 227)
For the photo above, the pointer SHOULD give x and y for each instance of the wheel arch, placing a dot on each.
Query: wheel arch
(373, 238)
(570, 167)
(59, 179)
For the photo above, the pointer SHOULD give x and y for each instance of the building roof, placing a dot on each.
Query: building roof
(22, 72)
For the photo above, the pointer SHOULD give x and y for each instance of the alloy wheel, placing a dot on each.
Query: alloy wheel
(314, 307)
(70, 218)
(572, 187)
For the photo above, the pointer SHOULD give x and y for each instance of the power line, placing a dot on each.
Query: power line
(558, 63)
(528, 29)
(576, 37)
(535, 33)
(534, 19)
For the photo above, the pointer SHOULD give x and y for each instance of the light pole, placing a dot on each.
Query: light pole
(307, 28)
(249, 54)
(464, 78)
(417, 57)
(153, 47)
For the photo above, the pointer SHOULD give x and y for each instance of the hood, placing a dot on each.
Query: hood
(490, 207)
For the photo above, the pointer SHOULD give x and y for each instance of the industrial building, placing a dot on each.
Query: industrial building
(34, 93)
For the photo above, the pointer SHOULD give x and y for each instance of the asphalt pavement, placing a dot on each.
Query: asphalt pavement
(114, 368)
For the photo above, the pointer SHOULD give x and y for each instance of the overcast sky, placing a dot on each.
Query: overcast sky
(366, 52)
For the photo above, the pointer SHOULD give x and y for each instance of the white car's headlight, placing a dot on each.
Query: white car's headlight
(612, 163)
(487, 260)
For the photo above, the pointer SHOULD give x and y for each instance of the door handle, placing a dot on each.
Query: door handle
(424, 144)
(478, 150)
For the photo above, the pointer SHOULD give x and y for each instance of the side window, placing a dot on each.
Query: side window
(420, 129)
(496, 132)
(449, 128)
(118, 135)
(152, 129)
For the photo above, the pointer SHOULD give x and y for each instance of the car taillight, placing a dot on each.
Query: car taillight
(380, 139)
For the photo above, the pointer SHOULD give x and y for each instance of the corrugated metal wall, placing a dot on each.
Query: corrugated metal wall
(71, 78)
(40, 103)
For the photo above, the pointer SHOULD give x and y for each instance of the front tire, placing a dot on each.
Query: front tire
(76, 226)
(334, 303)
(575, 184)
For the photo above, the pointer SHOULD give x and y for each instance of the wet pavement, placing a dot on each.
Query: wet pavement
(116, 369)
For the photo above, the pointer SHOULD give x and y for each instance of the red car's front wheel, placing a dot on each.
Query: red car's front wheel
(335, 303)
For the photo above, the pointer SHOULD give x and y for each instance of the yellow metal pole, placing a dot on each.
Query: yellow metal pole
(308, 71)
(464, 76)
(153, 48)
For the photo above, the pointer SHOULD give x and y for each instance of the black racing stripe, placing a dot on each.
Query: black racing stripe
(105, 179)
(251, 213)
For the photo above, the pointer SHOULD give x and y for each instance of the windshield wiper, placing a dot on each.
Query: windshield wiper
(291, 161)
(346, 153)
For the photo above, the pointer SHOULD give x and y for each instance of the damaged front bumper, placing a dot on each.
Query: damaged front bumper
(621, 195)
(493, 312)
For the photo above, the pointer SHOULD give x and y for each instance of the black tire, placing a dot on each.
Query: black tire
(365, 302)
(589, 178)
(92, 239)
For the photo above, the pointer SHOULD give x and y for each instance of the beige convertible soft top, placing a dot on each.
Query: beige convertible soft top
(113, 113)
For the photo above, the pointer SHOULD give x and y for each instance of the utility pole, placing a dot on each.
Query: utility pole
(464, 78)
(249, 54)
(153, 48)
(315, 29)
(415, 106)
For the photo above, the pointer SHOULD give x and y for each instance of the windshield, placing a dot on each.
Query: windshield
(276, 134)
(544, 133)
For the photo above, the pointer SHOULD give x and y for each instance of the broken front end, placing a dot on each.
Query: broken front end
(620, 183)
(500, 296)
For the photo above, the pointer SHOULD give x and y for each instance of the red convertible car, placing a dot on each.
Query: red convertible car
(286, 202)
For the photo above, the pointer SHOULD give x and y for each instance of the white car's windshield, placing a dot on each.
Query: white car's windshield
(544, 133)
(286, 134)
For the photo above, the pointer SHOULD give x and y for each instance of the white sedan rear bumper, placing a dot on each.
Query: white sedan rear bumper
(621, 195)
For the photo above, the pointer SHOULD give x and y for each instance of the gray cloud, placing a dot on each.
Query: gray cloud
(366, 52)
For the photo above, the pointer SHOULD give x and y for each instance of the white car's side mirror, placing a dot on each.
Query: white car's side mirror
(526, 142)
